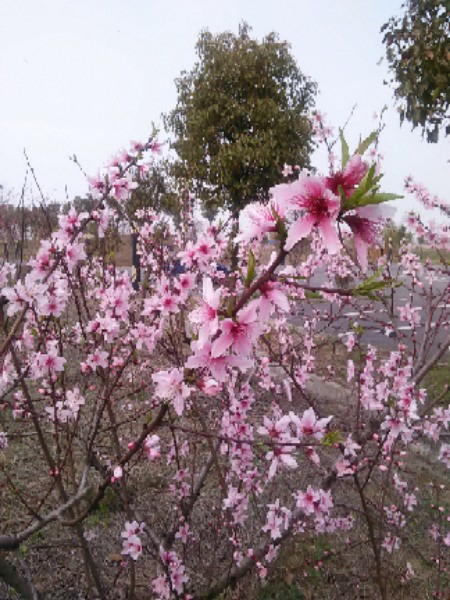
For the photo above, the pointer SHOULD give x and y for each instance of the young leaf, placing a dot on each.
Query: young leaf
(250, 269)
(344, 149)
(372, 284)
(332, 438)
(366, 143)
(281, 227)
(367, 183)
(379, 198)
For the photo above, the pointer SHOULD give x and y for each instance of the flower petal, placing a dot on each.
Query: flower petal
(298, 230)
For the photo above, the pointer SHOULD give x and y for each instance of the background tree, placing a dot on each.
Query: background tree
(394, 235)
(157, 190)
(418, 53)
(242, 112)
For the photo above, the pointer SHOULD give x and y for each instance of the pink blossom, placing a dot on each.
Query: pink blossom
(69, 225)
(344, 468)
(351, 448)
(444, 454)
(239, 335)
(3, 440)
(74, 254)
(210, 386)
(161, 587)
(183, 533)
(314, 502)
(271, 297)
(391, 543)
(395, 424)
(144, 336)
(117, 474)
(350, 341)
(257, 219)
(366, 223)
(66, 410)
(186, 282)
(152, 448)
(170, 385)
(48, 364)
(121, 187)
(277, 519)
(131, 543)
(22, 294)
(203, 358)
(178, 577)
(349, 178)
(280, 455)
(176, 569)
(98, 358)
(276, 430)
(97, 186)
(309, 424)
(206, 315)
(409, 314)
(320, 209)
(350, 370)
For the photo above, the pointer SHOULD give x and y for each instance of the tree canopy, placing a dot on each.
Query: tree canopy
(418, 53)
(241, 113)
(156, 190)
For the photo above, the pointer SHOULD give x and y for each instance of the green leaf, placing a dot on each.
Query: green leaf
(251, 272)
(373, 284)
(344, 149)
(313, 295)
(332, 438)
(342, 195)
(367, 183)
(358, 329)
(366, 143)
(281, 227)
(383, 197)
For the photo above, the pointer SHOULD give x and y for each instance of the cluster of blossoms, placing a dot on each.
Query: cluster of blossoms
(132, 544)
(428, 200)
(322, 205)
(200, 382)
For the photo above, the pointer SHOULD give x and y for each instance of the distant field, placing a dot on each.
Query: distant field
(425, 253)
(122, 254)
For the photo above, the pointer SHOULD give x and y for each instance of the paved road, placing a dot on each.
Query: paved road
(375, 321)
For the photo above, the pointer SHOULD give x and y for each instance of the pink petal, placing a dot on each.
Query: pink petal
(221, 345)
(361, 248)
(242, 345)
(248, 315)
(243, 363)
(205, 331)
(330, 236)
(280, 300)
(208, 290)
(284, 192)
(218, 369)
(300, 229)
(265, 308)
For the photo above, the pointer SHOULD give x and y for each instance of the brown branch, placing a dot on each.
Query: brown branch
(12, 542)
(430, 364)
(122, 462)
(265, 277)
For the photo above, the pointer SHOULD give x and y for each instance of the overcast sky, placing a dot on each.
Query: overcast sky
(85, 77)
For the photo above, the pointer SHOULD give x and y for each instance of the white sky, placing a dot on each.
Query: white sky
(85, 77)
